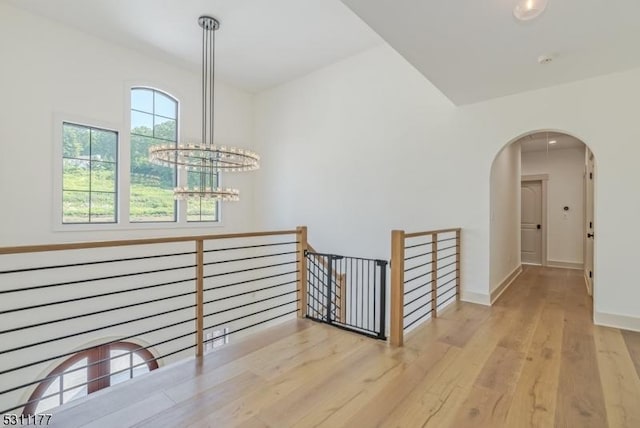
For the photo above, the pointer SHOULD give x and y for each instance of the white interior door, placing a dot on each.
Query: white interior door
(589, 222)
(531, 222)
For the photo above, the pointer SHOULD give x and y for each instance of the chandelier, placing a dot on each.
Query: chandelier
(206, 159)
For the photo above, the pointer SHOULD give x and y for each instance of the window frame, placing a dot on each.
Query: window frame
(124, 167)
(90, 191)
(98, 359)
(177, 179)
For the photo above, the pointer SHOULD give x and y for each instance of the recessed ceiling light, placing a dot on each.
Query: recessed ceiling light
(552, 142)
(526, 10)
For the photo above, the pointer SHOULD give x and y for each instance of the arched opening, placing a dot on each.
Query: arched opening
(542, 207)
(90, 371)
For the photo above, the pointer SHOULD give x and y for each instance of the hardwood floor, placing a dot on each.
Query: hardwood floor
(534, 359)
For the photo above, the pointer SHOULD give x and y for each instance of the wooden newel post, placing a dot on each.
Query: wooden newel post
(397, 288)
(434, 275)
(199, 298)
(458, 269)
(301, 233)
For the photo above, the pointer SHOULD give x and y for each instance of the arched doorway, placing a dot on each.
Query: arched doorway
(542, 207)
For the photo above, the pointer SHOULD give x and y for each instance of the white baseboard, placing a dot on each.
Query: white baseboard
(565, 265)
(479, 298)
(496, 292)
(624, 322)
(586, 283)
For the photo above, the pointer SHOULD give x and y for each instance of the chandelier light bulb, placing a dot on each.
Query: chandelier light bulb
(527, 10)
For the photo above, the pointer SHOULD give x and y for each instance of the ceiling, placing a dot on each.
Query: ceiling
(539, 142)
(260, 43)
(471, 50)
(475, 50)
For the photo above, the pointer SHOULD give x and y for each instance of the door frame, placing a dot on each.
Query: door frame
(543, 179)
(589, 194)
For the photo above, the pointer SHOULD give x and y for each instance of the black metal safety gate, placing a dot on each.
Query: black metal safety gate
(347, 292)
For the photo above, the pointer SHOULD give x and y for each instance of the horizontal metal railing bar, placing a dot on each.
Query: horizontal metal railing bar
(131, 242)
(447, 239)
(418, 255)
(416, 310)
(96, 379)
(419, 276)
(93, 296)
(258, 323)
(266, 299)
(416, 267)
(448, 282)
(244, 247)
(93, 330)
(430, 232)
(131, 305)
(445, 292)
(447, 265)
(418, 298)
(447, 248)
(407, 247)
(153, 330)
(100, 278)
(206, 302)
(421, 317)
(446, 257)
(249, 258)
(448, 273)
(418, 287)
(246, 281)
(446, 300)
(6, 391)
(127, 259)
(215, 275)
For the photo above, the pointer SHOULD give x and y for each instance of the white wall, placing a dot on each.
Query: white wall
(368, 144)
(50, 69)
(565, 229)
(505, 215)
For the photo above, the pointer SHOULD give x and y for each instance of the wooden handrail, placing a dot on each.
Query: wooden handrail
(129, 242)
(430, 232)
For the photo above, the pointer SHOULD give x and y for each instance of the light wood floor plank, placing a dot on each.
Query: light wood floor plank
(620, 384)
(534, 359)
(534, 400)
(632, 340)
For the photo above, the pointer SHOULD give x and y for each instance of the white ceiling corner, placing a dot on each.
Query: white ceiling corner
(260, 43)
(476, 50)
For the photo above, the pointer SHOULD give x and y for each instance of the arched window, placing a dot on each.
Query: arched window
(154, 121)
(90, 371)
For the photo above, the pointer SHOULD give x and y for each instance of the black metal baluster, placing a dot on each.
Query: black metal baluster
(383, 296)
(329, 279)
